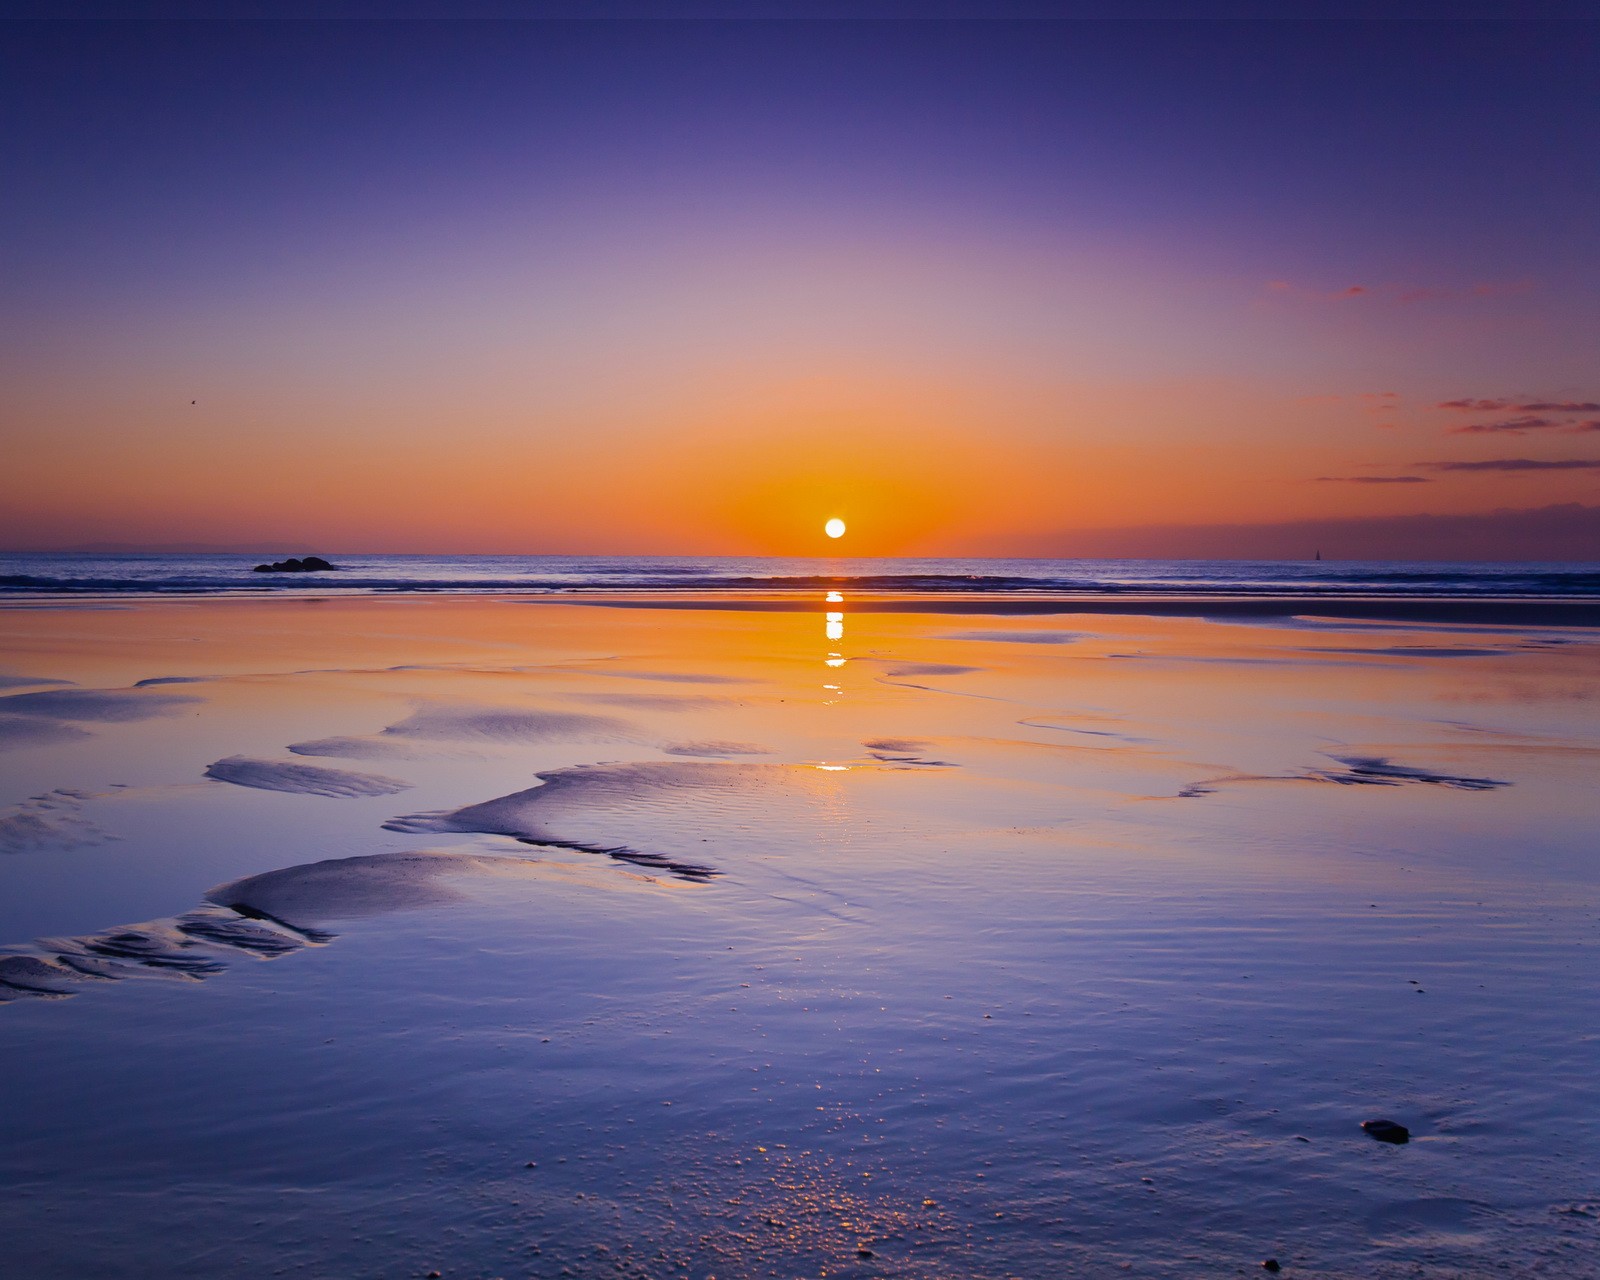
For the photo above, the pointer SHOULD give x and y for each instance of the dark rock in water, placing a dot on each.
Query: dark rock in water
(310, 564)
(1271, 1264)
(1387, 1131)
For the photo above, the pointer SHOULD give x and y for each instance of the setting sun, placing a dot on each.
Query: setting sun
(834, 528)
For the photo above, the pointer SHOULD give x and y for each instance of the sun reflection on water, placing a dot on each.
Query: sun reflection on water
(834, 623)
(833, 629)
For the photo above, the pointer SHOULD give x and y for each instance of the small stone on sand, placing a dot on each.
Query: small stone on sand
(1386, 1131)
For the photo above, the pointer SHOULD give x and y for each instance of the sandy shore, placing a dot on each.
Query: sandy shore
(776, 937)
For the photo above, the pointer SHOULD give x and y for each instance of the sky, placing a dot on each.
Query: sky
(1013, 287)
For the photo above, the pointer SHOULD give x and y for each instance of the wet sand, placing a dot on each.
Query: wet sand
(1529, 612)
(781, 937)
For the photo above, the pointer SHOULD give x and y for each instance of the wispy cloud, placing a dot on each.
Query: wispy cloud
(1520, 406)
(1374, 480)
(1288, 289)
(1516, 426)
(1510, 426)
(1566, 531)
(1404, 294)
(1487, 289)
(1501, 288)
(1517, 464)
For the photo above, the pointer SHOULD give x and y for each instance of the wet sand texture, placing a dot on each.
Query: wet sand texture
(302, 779)
(577, 808)
(467, 724)
(102, 705)
(1037, 962)
(49, 821)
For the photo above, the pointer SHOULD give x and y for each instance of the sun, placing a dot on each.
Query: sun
(834, 528)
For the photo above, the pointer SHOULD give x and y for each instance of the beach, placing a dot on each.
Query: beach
(748, 933)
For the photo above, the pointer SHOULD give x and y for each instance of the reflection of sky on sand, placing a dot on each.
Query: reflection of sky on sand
(974, 967)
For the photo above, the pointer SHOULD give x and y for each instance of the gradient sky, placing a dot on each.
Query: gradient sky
(978, 287)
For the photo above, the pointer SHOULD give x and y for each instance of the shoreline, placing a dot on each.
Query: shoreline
(1449, 610)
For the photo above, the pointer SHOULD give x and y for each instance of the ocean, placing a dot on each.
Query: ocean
(70, 573)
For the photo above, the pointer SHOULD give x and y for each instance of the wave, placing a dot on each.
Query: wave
(61, 574)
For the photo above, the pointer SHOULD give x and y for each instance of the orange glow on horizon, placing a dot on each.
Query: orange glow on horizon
(721, 460)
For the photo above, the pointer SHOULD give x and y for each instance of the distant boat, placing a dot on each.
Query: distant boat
(1318, 555)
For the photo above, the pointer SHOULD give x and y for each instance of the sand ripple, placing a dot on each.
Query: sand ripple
(260, 917)
(189, 947)
(47, 822)
(303, 779)
(107, 705)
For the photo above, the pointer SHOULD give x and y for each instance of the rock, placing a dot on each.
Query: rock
(1271, 1264)
(1386, 1131)
(310, 564)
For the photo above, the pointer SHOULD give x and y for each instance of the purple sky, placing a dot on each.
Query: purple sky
(692, 286)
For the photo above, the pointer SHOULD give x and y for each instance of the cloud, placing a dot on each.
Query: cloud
(1516, 426)
(1501, 288)
(1405, 294)
(1487, 289)
(1520, 406)
(1286, 288)
(1517, 464)
(1374, 480)
(1564, 531)
(1511, 426)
